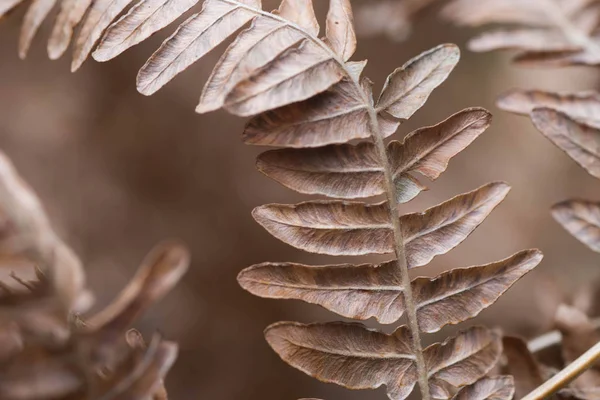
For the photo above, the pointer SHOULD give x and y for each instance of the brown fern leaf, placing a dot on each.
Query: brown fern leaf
(317, 159)
(570, 122)
(393, 18)
(522, 365)
(48, 347)
(496, 388)
(343, 353)
(579, 140)
(274, 62)
(582, 106)
(581, 219)
(553, 32)
(364, 291)
(352, 171)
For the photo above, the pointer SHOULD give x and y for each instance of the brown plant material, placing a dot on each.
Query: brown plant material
(522, 365)
(496, 388)
(304, 93)
(577, 139)
(582, 106)
(352, 171)
(49, 348)
(392, 18)
(552, 32)
(319, 160)
(338, 228)
(343, 353)
(365, 291)
(581, 219)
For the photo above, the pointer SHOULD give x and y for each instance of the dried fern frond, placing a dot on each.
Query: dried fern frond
(551, 32)
(317, 159)
(49, 347)
(389, 17)
(570, 121)
(276, 61)
(306, 96)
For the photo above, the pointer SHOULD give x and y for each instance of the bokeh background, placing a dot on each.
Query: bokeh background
(118, 172)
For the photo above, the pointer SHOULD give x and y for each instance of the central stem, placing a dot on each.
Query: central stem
(411, 309)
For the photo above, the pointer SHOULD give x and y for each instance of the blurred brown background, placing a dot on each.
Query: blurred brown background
(118, 172)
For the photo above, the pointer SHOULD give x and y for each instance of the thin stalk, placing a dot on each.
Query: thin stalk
(411, 309)
(571, 31)
(567, 375)
(551, 338)
(391, 193)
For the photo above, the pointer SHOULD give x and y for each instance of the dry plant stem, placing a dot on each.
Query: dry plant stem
(411, 309)
(567, 375)
(567, 27)
(551, 338)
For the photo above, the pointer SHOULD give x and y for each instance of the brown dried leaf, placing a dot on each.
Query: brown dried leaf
(480, 12)
(271, 64)
(140, 22)
(581, 218)
(365, 291)
(325, 227)
(348, 354)
(191, 41)
(136, 341)
(36, 14)
(461, 360)
(8, 5)
(409, 87)
(496, 388)
(350, 228)
(336, 116)
(100, 15)
(151, 374)
(522, 39)
(340, 28)
(71, 14)
(160, 271)
(582, 106)
(522, 366)
(357, 358)
(558, 58)
(256, 47)
(140, 374)
(26, 231)
(428, 150)
(389, 17)
(441, 228)
(341, 171)
(302, 13)
(580, 141)
(348, 171)
(566, 37)
(296, 75)
(460, 294)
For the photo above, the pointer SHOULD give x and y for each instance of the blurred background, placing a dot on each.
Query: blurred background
(118, 172)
